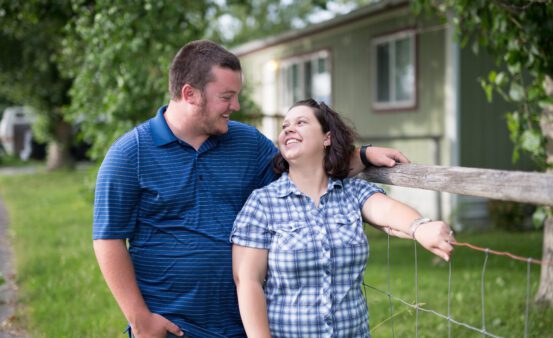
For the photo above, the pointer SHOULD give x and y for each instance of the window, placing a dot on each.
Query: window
(394, 80)
(307, 76)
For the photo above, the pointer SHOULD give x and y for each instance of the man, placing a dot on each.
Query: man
(172, 187)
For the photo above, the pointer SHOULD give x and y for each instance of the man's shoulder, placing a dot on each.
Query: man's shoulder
(236, 127)
(271, 190)
(130, 139)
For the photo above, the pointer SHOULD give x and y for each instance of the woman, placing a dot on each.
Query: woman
(299, 251)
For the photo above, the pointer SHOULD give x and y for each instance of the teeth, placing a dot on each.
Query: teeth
(292, 141)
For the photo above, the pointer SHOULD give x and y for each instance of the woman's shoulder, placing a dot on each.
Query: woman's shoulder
(356, 184)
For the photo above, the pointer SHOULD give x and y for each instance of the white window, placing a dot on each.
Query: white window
(394, 73)
(306, 76)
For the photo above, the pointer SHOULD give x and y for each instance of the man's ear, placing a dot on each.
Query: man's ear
(191, 95)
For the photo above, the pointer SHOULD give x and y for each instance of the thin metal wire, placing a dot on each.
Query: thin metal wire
(416, 306)
(448, 317)
(449, 301)
(416, 293)
(389, 292)
(484, 293)
(527, 311)
(503, 253)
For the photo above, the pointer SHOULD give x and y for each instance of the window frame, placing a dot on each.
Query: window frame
(286, 97)
(390, 39)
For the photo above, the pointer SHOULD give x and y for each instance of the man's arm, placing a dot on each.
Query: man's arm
(377, 156)
(118, 271)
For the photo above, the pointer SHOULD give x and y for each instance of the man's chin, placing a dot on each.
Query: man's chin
(220, 131)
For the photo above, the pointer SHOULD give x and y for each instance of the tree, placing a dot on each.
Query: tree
(29, 74)
(118, 53)
(519, 34)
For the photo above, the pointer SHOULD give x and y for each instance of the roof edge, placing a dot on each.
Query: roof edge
(360, 13)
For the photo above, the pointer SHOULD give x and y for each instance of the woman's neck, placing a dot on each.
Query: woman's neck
(313, 182)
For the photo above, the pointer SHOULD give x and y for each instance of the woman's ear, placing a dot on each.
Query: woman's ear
(327, 141)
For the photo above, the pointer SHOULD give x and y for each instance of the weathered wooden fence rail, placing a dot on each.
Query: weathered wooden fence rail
(517, 186)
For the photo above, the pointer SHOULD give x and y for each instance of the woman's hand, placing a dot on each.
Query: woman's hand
(435, 237)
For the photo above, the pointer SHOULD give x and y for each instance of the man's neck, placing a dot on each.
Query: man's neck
(180, 120)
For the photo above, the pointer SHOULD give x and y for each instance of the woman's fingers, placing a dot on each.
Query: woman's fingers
(436, 237)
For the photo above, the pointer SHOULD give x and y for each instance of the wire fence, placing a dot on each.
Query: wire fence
(419, 306)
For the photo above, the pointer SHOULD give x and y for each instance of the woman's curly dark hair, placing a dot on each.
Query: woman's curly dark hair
(338, 155)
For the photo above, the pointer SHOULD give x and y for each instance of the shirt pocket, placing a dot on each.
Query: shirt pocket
(292, 235)
(348, 229)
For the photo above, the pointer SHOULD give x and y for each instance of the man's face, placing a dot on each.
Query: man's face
(220, 99)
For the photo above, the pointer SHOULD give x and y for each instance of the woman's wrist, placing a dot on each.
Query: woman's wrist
(416, 224)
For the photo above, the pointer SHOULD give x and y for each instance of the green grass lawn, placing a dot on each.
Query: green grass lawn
(505, 287)
(60, 286)
(63, 294)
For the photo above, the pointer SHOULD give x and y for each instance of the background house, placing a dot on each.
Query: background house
(402, 81)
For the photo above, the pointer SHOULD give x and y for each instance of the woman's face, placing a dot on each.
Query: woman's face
(302, 136)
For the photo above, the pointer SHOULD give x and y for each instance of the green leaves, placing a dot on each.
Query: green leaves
(540, 215)
(516, 93)
(520, 36)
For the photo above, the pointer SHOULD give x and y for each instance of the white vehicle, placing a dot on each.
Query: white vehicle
(15, 131)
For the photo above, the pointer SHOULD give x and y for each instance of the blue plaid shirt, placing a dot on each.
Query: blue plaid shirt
(317, 256)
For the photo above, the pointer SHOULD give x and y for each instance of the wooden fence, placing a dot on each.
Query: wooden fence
(517, 186)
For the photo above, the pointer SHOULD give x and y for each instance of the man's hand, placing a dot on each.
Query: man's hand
(152, 325)
(385, 157)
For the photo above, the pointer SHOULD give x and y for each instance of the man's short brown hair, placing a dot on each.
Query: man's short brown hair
(193, 64)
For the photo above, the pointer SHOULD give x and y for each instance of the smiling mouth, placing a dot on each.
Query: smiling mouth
(291, 141)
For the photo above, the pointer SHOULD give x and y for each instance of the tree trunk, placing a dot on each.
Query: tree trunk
(545, 292)
(59, 156)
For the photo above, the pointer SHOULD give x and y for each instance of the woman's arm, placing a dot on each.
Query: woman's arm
(384, 211)
(249, 267)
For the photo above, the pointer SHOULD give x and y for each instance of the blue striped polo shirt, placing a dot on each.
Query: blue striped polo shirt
(176, 206)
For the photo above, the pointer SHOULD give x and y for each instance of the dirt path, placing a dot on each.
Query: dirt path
(8, 289)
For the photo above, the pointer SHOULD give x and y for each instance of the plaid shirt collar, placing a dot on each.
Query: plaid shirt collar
(285, 186)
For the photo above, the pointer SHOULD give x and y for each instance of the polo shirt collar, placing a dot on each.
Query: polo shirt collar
(162, 134)
(285, 186)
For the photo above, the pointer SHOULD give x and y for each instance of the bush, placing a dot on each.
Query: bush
(511, 216)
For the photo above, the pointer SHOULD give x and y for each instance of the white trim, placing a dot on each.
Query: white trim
(299, 61)
(452, 116)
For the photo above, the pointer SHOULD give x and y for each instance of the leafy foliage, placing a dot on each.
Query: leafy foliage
(519, 34)
(102, 65)
(29, 75)
(118, 54)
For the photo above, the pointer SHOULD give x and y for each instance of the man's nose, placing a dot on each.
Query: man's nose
(235, 104)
